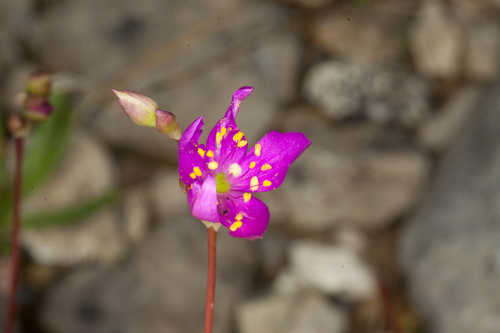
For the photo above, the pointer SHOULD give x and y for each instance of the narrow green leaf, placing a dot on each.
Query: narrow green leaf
(71, 214)
(46, 147)
(43, 153)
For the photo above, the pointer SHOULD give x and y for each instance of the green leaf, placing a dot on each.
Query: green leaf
(71, 214)
(43, 153)
(46, 148)
(62, 217)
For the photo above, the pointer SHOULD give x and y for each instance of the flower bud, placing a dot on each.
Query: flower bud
(39, 84)
(167, 123)
(144, 112)
(18, 126)
(37, 108)
(141, 109)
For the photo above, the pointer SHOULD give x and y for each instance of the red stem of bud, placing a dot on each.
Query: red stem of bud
(16, 229)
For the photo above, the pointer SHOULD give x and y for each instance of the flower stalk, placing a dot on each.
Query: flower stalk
(15, 246)
(209, 306)
(36, 108)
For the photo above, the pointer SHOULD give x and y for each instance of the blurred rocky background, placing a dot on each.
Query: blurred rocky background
(390, 222)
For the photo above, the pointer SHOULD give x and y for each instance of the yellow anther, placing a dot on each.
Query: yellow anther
(201, 152)
(266, 167)
(197, 171)
(237, 137)
(239, 217)
(247, 196)
(235, 169)
(258, 149)
(235, 226)
(266, 183)
(210, 153)
(222, 131)
(218, 138)
(252, 165)
(242, 143)
(192, 175)
(213, 165)
(254, 183)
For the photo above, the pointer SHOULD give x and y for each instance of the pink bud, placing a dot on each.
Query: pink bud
(37, 109)
(141, 109)
(166, 123)
(39, 84)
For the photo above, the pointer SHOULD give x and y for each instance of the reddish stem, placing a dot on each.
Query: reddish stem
(16, 228)
(209, 306)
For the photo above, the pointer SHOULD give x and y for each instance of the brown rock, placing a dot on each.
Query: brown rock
(364, 33)
(437, 41)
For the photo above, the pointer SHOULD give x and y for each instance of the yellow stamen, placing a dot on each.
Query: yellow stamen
(258, 149)
(247, 196)
(252, 165)
(242, 143)
(266, 167)
(197, 171)
(213, 165)
(201, 152)
(254, 183)
(237, 137)
(239, 217)
(235, 169)
(210, 153)
(218, 138)
(235, 226)
(192, 175)
(266, 183)
(222, 131)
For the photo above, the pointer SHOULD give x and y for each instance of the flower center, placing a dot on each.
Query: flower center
(221, 184)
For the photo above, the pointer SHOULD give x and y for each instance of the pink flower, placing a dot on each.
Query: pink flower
(223, 176)
(144, 111)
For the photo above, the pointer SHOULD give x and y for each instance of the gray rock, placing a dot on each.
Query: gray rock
(343, 179)
(14, 20)
(166, 197)
(333, 270)
(449, 250)
(483, 51)
(85, 173)
(437, 41)
(345, 90)
(364, 33)
(301, 313)
(442, 130)
(314, 4)
(160, 289)
(210, 94)
(188, 56)
(336, 87)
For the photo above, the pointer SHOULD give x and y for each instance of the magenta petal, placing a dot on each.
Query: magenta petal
(229, 147)
(203, 200)
(238, 96)
(192, 133)
(244, 219)
(188, 155)
(266, 164)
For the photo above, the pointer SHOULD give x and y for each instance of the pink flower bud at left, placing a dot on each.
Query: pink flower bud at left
(141, 109)
(18, 127)
(37, 109)
(167, 123)
(39, 84)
